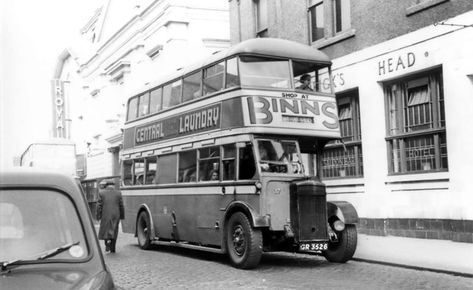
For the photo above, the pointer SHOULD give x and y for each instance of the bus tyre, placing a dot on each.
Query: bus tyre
(344, 249)
(244, 243)
(143, 230)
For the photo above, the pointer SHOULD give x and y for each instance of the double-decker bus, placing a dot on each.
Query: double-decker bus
(225, 156)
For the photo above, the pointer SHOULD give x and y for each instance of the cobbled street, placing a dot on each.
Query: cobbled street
(176, 268)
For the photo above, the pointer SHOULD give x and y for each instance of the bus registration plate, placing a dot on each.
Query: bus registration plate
(313, 246)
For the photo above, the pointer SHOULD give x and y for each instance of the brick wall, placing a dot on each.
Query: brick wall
(443, 229)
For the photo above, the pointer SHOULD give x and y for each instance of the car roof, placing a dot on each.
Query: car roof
(35, 178)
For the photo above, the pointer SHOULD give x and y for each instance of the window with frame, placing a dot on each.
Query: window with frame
(132, 109)
(209, 161)
(325, 25)
(416, 135)
(143, 105)
(191, 86)
(156, 98)
(213, 78)
(345, 159)
(261, 17)
(172, 94)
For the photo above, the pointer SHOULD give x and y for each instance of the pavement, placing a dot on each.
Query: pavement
(435, 255)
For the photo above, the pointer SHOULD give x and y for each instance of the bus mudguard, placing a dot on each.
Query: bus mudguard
(144, 207)
(257, 220)
(344, 210)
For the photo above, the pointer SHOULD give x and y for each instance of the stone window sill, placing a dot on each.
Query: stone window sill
(336, 38)
(422, 6)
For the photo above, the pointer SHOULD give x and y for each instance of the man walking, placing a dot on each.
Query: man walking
(110, 211)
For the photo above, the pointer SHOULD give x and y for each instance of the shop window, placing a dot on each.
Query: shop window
(328, 25)
(345, 159)
(213, 78)
(261, 13)
(416, 136)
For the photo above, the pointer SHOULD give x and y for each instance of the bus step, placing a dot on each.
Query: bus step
(188, 246)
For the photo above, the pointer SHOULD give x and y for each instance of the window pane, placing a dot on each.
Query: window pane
(127, 172)
(139, 171)
(233, 79)
(247, 166)
(156, 100)
(151, 166)
(261, 15)
(264, 72)
(337, 162)
(317, 21)
(167, 168)
(132, 109)
(213, 78)
(228, 162)
(191, 89)
(342, 15)
(37, 221)
(187, 166)
(209, 161)
(143, 108)
(172, 94)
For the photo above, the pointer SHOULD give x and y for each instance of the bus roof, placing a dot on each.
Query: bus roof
(270, 47)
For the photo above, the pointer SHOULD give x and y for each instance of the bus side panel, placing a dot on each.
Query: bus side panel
(197, 218)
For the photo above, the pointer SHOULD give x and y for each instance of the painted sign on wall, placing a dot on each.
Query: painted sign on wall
(59, 105)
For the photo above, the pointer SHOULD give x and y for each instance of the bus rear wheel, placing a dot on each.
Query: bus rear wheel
(344, 249)
(143, 233)
(244, 243)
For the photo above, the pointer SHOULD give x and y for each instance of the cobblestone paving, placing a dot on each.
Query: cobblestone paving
(177, 268)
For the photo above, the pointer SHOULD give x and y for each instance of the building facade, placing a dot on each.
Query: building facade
(124, 46)
(403, 79)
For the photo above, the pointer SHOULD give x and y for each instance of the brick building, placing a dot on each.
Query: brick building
(403, 78)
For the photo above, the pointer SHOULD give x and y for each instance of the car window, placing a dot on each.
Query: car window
(33, 222)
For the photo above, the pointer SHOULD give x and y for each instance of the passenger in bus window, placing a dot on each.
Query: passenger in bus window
(305, 83)
(214, 175)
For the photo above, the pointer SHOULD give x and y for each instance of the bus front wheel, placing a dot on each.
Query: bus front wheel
(344, 249)
(244, 243)
(143, 225)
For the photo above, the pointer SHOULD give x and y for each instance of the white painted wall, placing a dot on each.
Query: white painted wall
(446, 46)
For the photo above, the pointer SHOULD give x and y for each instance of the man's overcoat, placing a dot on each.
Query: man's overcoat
(109, 210)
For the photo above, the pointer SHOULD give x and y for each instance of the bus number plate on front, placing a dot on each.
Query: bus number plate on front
(313, 247)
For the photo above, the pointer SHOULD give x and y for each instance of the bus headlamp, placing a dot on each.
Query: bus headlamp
(258, 186)
(338, 225)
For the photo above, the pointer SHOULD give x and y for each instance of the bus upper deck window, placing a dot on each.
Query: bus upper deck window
(155, 103)
(143, 105)
(232, 78)
(132, 109)
(191, 87)
(172, 94)
(264, 72)
(318, 74)
(213, 78)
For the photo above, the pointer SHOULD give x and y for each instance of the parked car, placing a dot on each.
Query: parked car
(47, 237)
